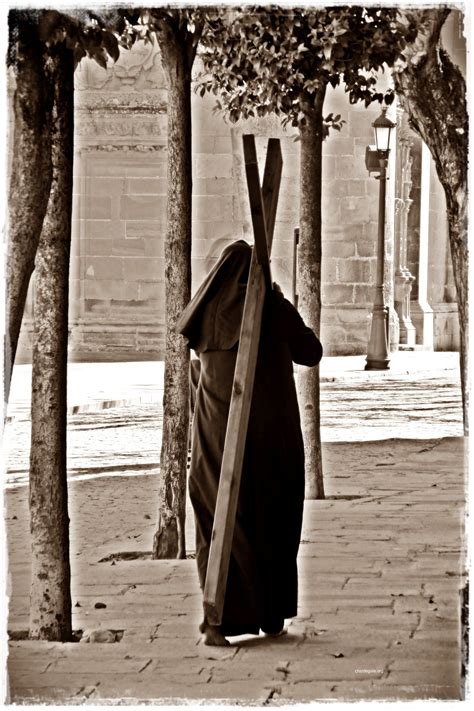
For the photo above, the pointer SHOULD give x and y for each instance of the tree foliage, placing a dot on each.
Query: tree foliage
(178, 26)
(84, 32)
(274, 60)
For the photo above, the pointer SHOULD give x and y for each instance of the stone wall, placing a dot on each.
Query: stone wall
(350, 212)
(117, 270)
(119, 215)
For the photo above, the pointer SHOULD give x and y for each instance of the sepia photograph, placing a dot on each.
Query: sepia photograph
(235, 353)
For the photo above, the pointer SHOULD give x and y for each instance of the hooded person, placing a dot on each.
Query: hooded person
(262, 583)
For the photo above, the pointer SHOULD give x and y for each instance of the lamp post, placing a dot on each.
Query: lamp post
(376, 159)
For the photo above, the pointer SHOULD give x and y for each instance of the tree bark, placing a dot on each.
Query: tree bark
(432, 91)
(50, 602)
(309, 287)
(30, 180)
(169, 539)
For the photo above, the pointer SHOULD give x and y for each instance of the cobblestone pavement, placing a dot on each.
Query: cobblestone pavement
(381, 569)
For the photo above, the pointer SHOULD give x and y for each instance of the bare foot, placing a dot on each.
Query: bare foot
(213, 636)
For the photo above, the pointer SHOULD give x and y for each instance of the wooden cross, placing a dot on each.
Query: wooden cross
(263, 205)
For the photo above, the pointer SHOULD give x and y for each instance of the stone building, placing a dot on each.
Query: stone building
(119, 216)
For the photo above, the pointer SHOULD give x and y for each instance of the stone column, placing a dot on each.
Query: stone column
(390, 245)
(421, 311)
(403, 278)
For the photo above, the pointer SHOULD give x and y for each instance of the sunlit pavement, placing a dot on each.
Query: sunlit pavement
(115, 409)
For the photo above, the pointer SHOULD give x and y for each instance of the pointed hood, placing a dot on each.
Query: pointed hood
(212, 319)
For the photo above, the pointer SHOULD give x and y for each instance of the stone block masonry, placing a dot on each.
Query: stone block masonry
(120, 199)
(121, 268)
(349, 231)
(122, 206)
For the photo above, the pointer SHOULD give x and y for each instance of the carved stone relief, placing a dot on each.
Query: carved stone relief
(108, 126)
(123, 103)
(403, 277)
(125, 147)
(139, 67)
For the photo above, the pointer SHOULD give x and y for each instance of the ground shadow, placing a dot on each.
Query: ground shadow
(262, 640)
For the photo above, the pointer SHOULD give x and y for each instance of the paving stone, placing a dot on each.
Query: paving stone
(329, 668)
(308, 603)
(420, 691)
(377, 690)
(31, 695)
(96, 664)
(447, 669)
(378, 617)
(49, 685)
(22, 665)
(450, 637)
(274, 652)
(245, 668)
(304, 691)
(402, 647)
(179, 627)
(143, 633)
(130, 611)
(362, 635)
(183, 687)
(442, 675)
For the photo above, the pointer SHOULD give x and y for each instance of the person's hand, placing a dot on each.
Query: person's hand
(277, 288)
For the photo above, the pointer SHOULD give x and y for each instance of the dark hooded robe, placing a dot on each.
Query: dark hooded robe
(262, 581)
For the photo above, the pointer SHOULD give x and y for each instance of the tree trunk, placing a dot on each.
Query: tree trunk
(30, 180)
(50, 604)
(432, 91)
(169, 540)
(458, 239)
(309, 288)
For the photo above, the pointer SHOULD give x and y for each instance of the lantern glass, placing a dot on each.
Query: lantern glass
(383, 126)
(382, 137)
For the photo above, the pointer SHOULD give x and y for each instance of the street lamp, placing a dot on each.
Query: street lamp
(376, 159)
